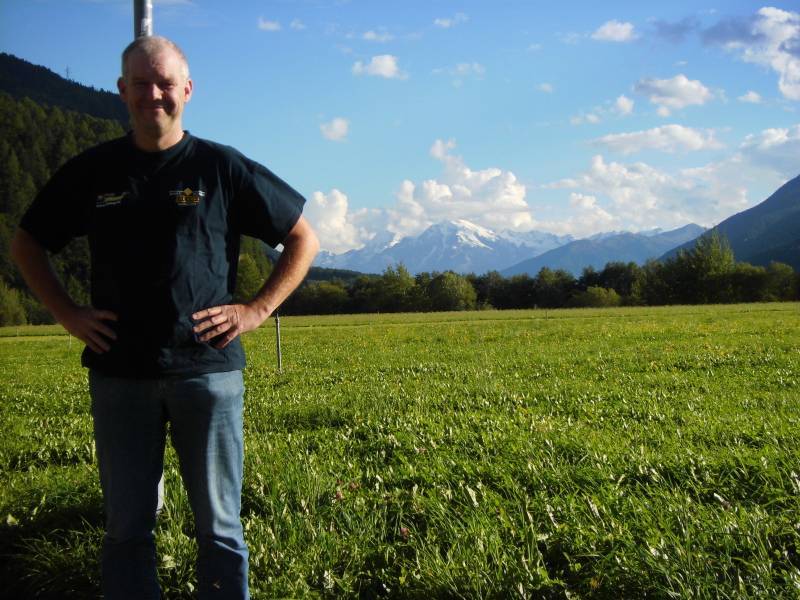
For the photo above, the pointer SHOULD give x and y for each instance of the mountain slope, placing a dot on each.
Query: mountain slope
(458, 245)
(766, 232)
(21, 79)
(596, 252)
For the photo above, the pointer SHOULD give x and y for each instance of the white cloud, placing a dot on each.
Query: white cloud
(336, 130)
(675, 93)
(623, 105)
(377, 36)
(775, 149)
(265, 25)
(462, 71)
(591, 117)
(587, 217)
(750, 97)
(338, 230)
(770, 38)
(447, 23)
(615, 31)
(489, 197)
(642, 196)
(297, 25)
(668, 138)
(547, 88)
(383, 65)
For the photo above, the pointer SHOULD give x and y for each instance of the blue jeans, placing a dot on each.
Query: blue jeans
(205, 416)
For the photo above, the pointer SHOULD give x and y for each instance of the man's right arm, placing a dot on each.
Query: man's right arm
(84, 322)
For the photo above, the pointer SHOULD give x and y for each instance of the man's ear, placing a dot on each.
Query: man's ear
(121, 87)
(187, 90)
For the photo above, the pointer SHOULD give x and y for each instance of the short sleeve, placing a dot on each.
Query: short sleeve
(57, 213)
(266, 207)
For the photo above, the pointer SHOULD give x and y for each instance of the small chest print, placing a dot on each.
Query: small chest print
(110, 199)
(187, 197)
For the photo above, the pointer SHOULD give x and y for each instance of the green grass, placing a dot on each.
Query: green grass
(637, 452)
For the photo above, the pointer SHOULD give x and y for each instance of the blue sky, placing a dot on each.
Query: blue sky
(571, 117)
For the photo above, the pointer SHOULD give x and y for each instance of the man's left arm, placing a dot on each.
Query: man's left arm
(299, 249)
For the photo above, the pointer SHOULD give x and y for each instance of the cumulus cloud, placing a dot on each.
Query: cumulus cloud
(547, 88)
(668, 138)
(462, 71)
(642, 197)
(623, 105)
(383, 65)
(265, 25)
(615, 31)
(750, 97)
(580, 119)
(675, 93)
(377, 36)
(335, 130)
(770, 38)
(490, 197)
(448, 22)
(337, 228)
(775, 149)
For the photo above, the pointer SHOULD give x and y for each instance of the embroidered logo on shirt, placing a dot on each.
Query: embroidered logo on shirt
(187, 197)
(112, 199)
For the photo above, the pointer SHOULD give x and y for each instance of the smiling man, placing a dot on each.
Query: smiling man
(163, 212)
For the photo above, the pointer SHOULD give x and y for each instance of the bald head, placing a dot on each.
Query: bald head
(153, 45)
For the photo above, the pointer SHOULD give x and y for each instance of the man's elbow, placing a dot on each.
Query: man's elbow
(303, 237)
(22, 245)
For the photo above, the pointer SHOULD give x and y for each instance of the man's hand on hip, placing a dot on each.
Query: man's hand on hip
(88, 325)
(226, 322)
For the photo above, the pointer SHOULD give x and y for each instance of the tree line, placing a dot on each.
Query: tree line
(708, 273)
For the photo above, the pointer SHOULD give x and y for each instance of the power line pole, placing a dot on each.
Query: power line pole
(142, 18)
(278, 340)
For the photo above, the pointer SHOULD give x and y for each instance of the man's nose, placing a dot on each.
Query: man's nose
(153, 92)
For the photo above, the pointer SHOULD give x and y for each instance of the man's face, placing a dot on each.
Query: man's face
(155, 90)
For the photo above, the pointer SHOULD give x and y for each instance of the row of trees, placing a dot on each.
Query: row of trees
(706, 274)
(34, 141)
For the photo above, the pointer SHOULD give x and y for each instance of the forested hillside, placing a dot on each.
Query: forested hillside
(21, 79)
(34, 141)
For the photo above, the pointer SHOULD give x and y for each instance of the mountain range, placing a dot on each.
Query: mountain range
(597, 251)
(457, 245)
(465, 247)
(767, 232)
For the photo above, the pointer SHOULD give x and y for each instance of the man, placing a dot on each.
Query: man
(163, 212)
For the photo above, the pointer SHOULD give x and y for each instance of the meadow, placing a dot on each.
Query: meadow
(615, 453)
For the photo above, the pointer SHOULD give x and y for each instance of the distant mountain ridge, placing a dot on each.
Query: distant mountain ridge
(22, 79)
(457, 245)
(767, 232)
(599, 250)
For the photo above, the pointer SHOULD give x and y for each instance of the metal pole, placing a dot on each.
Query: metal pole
(143, 26)
(142, 18)
(278, 340)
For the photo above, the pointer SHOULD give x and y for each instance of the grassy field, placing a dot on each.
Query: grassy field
(619, 453)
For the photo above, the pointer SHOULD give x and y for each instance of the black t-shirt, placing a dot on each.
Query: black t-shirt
(163, 232)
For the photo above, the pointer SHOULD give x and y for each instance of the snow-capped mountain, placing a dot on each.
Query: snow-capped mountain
(598, 250)
(458, 245)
